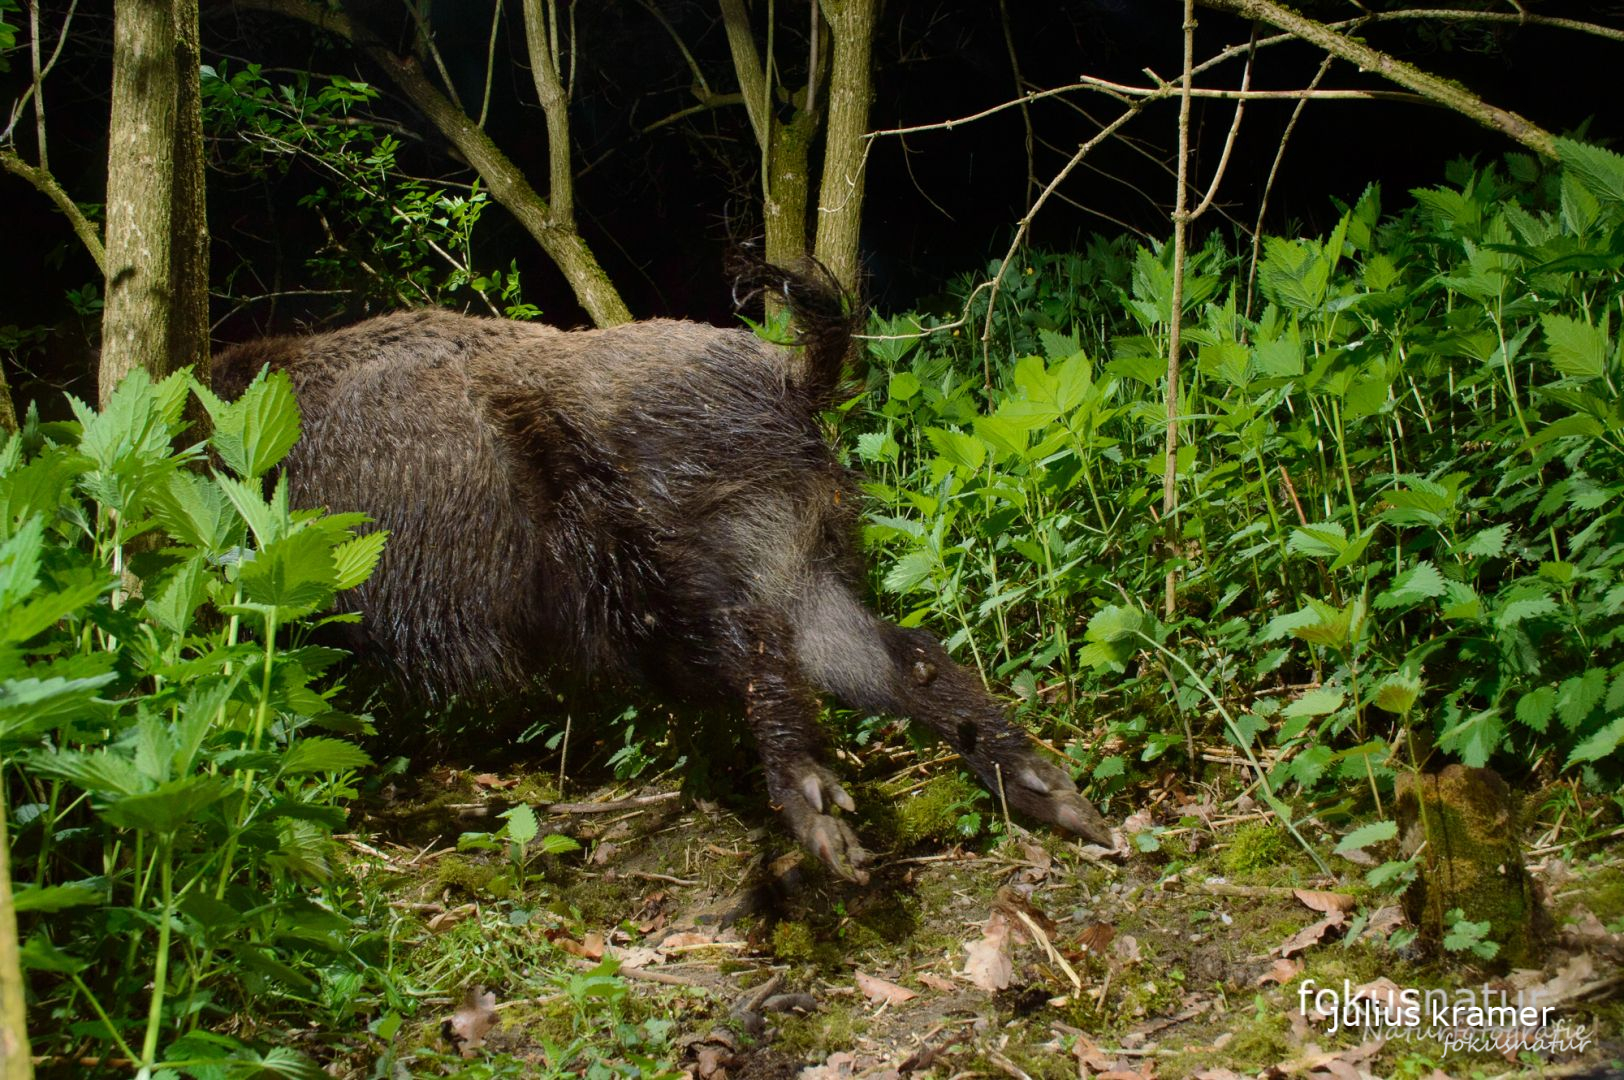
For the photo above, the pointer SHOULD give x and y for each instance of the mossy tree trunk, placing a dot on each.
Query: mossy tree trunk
(156, 314)
(851, 89)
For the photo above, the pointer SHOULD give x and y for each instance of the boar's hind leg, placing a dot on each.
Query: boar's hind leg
(782, 710)
(871, 664)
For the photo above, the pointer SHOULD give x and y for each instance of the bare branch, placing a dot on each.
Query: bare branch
(1268, 185)
(1445, 93)
(1243, 94)
(490, 64)
(1229, 142)
(1175, 320)
(747, 65)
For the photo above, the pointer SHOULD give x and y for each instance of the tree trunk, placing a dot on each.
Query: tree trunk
(140, 184)
(840, 198)
(189, 229)
(786, 188)
(16, 1062)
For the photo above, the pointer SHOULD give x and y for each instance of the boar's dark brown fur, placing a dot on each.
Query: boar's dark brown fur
(654, 502)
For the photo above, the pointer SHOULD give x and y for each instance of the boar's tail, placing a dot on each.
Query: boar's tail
(822, 313)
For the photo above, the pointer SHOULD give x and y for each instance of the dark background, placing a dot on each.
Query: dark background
(661, 208)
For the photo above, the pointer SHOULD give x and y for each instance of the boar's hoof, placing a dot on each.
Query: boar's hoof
(821, 788)
(1048, 794)
(833, 842)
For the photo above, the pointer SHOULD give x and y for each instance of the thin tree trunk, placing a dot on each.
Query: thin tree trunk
(504, 180)
(16, 1062)
(1181, 224)
(840, 198)
(540, 26)
(140, 185)
(189, 229)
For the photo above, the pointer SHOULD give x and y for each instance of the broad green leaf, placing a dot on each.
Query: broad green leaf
(320, 754)
(1577, 349)
(1375, 833)
(1325, 540)
(355, 559)
(168, 806)
(1421, 582)
(522, 826)
(1398, 692)
(1487, 543)
(1321, 702)
(1600, 745)
(1601, 172)
(556, 844)
(1535, 708)
(295, 574)
(28, 897)
(1474, 739)
(903, 386)
(1527, 607)
(1576, 697)
(909, 572)
(963, 450)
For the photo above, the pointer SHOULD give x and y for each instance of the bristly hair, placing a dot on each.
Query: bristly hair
(824, 315)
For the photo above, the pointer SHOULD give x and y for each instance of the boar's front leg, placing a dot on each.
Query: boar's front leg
(782, 710)
(871, 664)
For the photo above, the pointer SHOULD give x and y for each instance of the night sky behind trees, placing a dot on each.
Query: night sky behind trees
(661, 203)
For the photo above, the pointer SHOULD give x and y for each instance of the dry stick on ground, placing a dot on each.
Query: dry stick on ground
(1448, 94)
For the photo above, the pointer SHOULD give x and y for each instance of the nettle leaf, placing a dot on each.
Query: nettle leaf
(909, 572)
(1577, 350)
(56, 897)
(1287, 625)
(1325, 540)
(1244, 732)
(1600, 745)
(295, 574)
(1377, 832)
(960, 449)
(1398, 693)
(356, 559)
(1576, 697)
(1600, 171)
(1321, 702)
(320, 754)
(1309, 765)
(1523, 608)
(168, 806)
(522, 826)
(558, 844)
(1475, 738)
(1534, 709)
(1112, 636)
(1421, 582)
(1487, 542)
(903, 385)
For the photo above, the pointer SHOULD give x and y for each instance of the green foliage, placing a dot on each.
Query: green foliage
(1398, 480)
(396, 239)
(516, 837)
(160, 711)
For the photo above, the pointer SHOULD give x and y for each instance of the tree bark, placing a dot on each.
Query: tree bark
(140, 185)
(840, 197)
(189, 229)
(540, 31)
(1445, 93)
(504, 180)
(16, 1062)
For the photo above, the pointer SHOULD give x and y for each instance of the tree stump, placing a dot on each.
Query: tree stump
(1465, 824)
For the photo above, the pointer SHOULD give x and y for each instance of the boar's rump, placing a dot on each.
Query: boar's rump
(654, 502)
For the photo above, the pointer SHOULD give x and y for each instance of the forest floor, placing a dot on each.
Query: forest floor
(686, 938)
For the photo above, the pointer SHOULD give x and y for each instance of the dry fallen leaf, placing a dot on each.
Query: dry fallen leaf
(881, 992)
(445, 920)
(467, 1027)
(986, 962)
(1308, 936)
(590, 946)
(1126, 949)
(1386, 919)
(1325, 902)
(838, 1066)
(494, 782)
(1096, 937)
(1281, 971)
(685, 939)
(932, 981)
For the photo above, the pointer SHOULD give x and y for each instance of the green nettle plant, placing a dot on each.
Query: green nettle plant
(1399, 476)
(168, 749)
